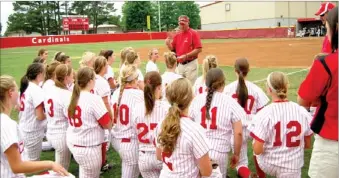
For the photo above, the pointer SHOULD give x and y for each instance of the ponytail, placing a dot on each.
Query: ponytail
(215, 79)
(170, 129)
(152, 81)
(23, 84)
(242, 91)
(122, 88)
(209, 62)
(74, 100)
(61, 72)
(209, 98)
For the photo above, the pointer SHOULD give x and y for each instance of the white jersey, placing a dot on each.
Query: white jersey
(84, 127)
(29, 101)
(191, 145)
(282, 126)
(56, 102)
(109, 74)
(199, 86)
(102, 87)
(47, 85)
(129, 98)
(145, 125)
(257, 99)
(167, 79)
(151, 66)
(9, 135)
(224, 111)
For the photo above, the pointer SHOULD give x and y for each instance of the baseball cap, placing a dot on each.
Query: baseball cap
(324, 7)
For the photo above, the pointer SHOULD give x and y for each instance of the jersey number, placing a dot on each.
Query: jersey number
(144, 131)
(76, 119)
(165, 155)
(51, 110)
(22, 103)
(213, 117)
(289, 135)
(123, 114)
(249, 103)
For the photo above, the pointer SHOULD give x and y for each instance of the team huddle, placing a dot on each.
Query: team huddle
(161, 125)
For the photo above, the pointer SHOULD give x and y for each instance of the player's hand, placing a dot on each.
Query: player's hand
(168, 41)
(182, 57)
(59, 169)
(234, 161)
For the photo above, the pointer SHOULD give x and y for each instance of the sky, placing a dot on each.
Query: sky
(7, 9)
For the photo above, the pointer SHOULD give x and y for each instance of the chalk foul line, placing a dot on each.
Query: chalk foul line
(290, 73)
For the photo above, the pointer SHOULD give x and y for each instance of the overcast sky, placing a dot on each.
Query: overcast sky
(7, 9)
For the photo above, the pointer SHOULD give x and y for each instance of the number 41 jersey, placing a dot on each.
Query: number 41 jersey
(224, 111)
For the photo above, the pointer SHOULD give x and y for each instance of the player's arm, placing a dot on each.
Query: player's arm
(308, 141)
(108, 106)
(111, 83)
(39, 112)
(237, 129)
(205, 165)
(19, 166)
(258, 147)
(169, 43)
(106, 122)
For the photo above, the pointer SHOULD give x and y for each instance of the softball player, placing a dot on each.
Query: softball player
(209, 62)
(280, 131)
(109, 76)
(88, 117)
(153, 56)
(102, 89)
(132, 58)
(181, 143)
(145, 120)
(124, 137)
(43, 54)
(87, 59)
(12, 144)
(50, 75)
(169, 76)
(219, 115)
(64, 59)
(31, 114)
(56, 100)
(251, 98)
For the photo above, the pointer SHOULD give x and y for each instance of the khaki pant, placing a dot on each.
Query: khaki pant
(324, 160)
(189, 70)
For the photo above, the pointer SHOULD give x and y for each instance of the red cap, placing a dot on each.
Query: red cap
(324, 7)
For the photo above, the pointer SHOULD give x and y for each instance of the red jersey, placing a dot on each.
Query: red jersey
(326, 45)
(185, 42)
(312, 87)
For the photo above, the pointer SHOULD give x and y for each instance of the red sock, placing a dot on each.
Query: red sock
(260, 173)
(244, 172)
(103, 152)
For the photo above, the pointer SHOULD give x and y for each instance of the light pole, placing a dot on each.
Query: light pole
(159, 16)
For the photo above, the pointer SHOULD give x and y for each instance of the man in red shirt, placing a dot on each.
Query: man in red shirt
(187, 45)
(322, 12)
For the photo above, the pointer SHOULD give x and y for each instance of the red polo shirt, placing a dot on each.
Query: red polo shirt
(311, 89)
(326, 46)
(185, 42)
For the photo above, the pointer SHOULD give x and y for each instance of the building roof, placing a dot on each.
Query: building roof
(103, 26)
(212, 3)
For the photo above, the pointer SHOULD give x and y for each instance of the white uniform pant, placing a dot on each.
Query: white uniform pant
(149, 165)
(222, 159)
(62, 153)
(324, 160)
(89, 160)
(278, 172)
(128, 151)
(32, 145)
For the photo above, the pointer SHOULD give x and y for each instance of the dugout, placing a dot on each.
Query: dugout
(310, 26)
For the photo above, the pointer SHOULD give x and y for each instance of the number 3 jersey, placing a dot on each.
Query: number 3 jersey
(224, 111)
(282, 126)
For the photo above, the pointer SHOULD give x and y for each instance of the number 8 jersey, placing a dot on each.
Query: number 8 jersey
(282, 126)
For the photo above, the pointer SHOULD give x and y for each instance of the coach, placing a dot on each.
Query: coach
(187, 45)
(321, 85)
(322, 12)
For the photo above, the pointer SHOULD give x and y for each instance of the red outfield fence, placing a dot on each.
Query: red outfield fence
(12, 42)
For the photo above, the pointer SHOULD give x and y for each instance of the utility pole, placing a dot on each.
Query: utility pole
(159, 16)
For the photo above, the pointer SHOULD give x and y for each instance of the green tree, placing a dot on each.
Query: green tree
(169, 15)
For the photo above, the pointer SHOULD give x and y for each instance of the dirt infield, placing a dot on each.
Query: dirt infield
(286, 53)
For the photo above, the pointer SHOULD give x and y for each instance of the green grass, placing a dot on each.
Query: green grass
(14, 62)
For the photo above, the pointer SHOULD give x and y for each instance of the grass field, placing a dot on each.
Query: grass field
(14, 62)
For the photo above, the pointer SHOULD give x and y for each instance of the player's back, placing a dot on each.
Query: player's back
(190, 146)
(84, 128)
(168, 78)
(224, 111)
(199, 86)
(282, 126)
(129, 98)
(56, 102)
(256, 97)
(145, 124)
(47, 85)
(30, 100)
(101, 87)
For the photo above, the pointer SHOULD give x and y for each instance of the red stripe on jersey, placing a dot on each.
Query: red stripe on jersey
(130, 88)
(104, 120)
(256, 138)
(260, 108)
(280, 101)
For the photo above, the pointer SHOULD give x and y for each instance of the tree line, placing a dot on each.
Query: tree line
(45, 17)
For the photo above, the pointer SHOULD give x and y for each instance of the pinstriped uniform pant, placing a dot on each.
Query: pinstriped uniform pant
(32, 145)
(89, 160)
(221, 159)
(128, 151)
(149, 165)
(62, 153)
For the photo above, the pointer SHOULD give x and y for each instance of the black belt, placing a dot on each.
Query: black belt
(187, 61)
